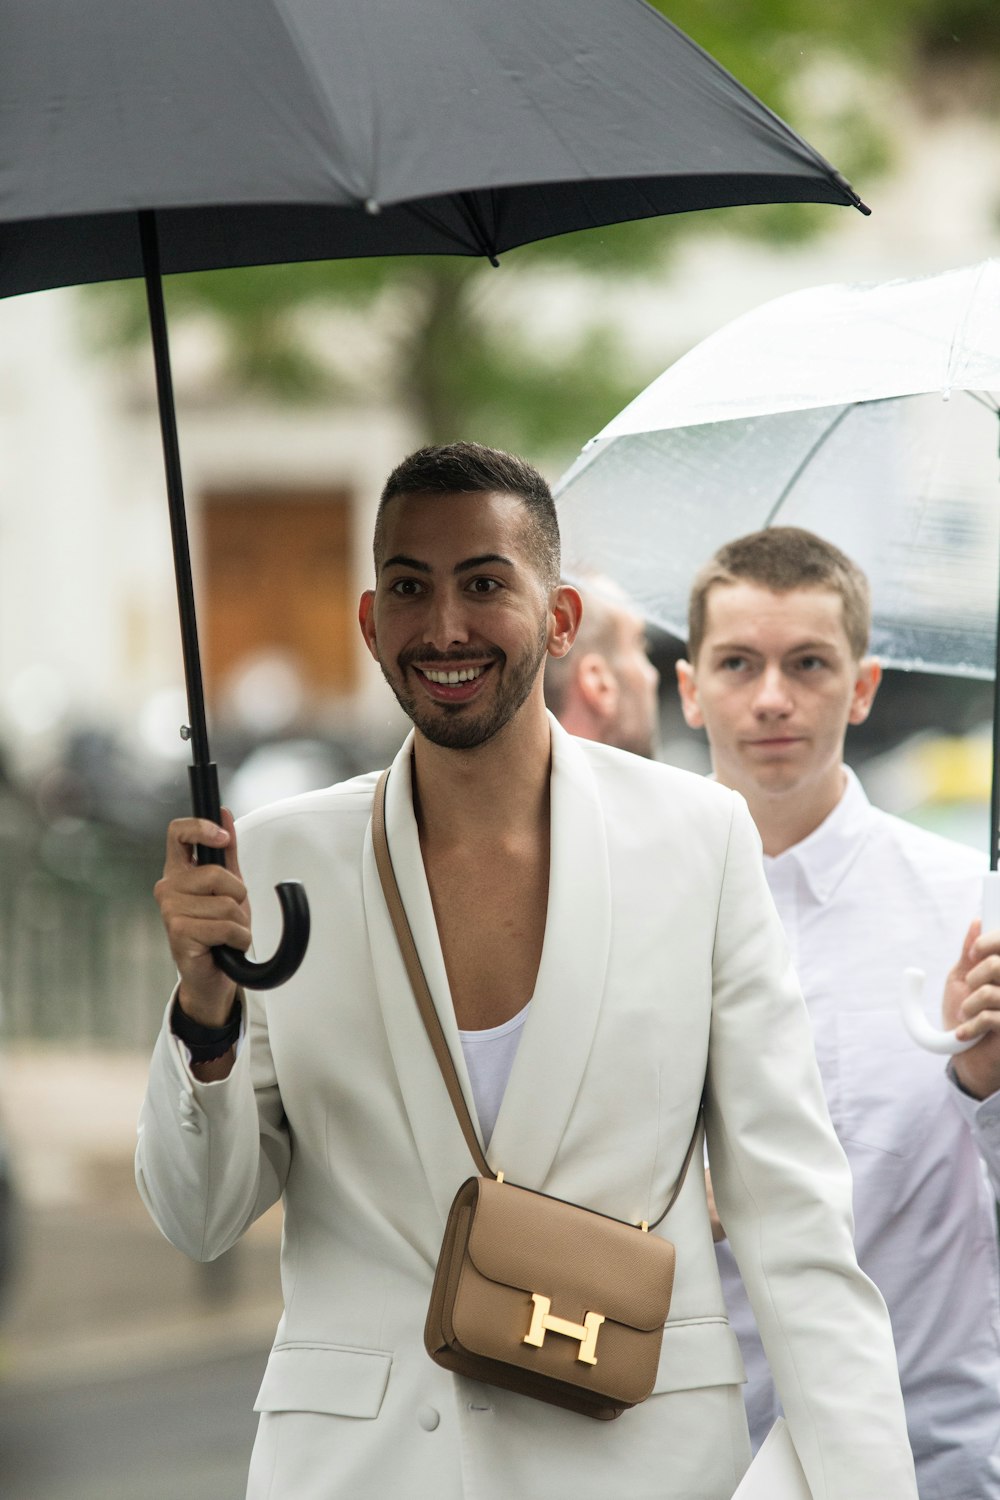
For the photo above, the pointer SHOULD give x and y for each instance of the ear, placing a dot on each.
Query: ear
(598, 686)
(869, 675)
(366, 619)
(566, 611)
(687, 687)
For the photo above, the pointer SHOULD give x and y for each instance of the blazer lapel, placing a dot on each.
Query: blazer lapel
(559, 1032)
(436, 1131)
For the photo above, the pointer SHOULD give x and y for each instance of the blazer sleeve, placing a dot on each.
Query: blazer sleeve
(783, 1190)
(211, 1157)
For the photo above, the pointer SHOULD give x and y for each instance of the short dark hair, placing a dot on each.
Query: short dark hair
(471, 468)
(783, 558)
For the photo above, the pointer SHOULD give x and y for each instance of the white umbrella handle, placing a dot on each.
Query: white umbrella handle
(912, 994)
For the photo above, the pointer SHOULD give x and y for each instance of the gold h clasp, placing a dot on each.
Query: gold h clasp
(543, 1322)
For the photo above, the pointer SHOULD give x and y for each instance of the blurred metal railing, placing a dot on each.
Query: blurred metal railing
(83, 957)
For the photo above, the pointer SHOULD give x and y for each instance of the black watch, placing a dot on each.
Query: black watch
(206, 1043)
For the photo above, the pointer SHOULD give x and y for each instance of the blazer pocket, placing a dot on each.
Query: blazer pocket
(698, 1352)
(330, 1378)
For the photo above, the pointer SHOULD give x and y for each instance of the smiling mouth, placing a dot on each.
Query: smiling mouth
(452, 684)
(451, 676)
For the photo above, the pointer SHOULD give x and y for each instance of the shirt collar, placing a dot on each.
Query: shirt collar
(825, 855)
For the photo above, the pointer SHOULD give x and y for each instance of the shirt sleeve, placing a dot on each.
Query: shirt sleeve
(983, 1119)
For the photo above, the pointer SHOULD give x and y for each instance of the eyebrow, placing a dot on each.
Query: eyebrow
(400, 560)
(729, 647)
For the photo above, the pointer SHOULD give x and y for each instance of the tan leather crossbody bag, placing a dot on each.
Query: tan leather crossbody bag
(533, 1293)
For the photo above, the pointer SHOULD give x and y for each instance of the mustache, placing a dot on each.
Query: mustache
(421, 657)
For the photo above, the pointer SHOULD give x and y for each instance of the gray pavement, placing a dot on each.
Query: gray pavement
(174, 1434)
(125, 1369)
(96, 1287)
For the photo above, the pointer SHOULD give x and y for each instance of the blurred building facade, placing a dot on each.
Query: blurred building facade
(280, 512)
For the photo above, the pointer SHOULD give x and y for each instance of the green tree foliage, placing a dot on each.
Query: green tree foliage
(451, 353)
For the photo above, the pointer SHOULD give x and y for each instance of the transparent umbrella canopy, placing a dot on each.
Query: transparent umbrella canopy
(868, 414)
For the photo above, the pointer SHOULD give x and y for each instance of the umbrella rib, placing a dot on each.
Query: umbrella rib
(474, 219)
(439, 225)
(803, 464)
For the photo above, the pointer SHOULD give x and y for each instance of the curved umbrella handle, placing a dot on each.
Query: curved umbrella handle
(289, 953)
(911, 996)
(291, 895)
(916, 1022)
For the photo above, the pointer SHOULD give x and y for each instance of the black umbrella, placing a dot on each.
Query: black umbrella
(180, 135)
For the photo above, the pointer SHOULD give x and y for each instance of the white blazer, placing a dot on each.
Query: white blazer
(663, 967)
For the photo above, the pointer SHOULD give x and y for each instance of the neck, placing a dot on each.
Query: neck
(785, 819)
(499, 790)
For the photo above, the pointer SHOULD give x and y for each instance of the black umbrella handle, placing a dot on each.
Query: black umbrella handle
(291, 897)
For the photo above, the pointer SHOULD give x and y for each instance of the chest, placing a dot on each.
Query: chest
(490, 909)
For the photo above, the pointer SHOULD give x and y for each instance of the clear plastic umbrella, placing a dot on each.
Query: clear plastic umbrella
(868, 414)
(865, 413)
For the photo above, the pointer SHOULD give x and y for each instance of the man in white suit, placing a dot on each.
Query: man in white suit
(778, 669)
(611, 916)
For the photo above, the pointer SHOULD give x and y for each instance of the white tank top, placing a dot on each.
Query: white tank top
(489, 1057)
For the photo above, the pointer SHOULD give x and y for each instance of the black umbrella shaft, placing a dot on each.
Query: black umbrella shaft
(995, 768)
(175, 489)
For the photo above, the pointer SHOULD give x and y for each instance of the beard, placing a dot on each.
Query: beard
(464, 726)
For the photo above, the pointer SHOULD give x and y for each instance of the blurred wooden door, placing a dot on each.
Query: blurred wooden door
(278, 580)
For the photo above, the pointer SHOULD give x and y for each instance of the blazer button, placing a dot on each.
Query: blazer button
(428, 1418)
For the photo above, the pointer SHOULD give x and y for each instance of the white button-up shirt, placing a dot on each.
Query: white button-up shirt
(861, 898)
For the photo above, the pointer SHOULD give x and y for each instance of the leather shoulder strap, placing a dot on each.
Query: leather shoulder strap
(428, 1011)
(418, 981)
(684, 1169)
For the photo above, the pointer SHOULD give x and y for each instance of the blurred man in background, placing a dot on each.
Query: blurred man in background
(777, 669)
(605, 688)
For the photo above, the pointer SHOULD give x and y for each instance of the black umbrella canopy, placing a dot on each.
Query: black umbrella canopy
(259, 128)
(143, 136)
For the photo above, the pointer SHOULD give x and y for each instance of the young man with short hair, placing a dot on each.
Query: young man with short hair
(599, 926)
(776, 672)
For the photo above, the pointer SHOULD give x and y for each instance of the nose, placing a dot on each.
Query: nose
(772, 699)
(446, 625)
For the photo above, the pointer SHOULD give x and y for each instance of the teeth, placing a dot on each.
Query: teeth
(451, 679)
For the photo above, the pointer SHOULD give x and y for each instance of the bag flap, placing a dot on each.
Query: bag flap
(586, 1262)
